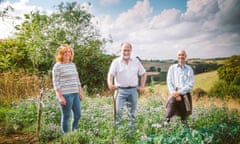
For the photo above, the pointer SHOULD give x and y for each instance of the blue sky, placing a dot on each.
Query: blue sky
(114, 7)
(157, 29)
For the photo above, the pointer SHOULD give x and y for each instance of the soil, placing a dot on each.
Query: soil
(16, 137)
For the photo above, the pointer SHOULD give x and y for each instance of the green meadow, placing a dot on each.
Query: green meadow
(212, 120)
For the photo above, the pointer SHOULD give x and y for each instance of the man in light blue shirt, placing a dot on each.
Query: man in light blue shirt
(180, 80)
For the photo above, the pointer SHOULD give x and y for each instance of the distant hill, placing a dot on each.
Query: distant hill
(157, 64)
(164, 64)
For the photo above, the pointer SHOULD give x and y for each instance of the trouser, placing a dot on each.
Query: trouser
(129, 97)
(178, 108)
(72, 104)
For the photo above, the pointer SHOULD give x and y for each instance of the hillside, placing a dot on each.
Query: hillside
(164, 64)
(204, 81)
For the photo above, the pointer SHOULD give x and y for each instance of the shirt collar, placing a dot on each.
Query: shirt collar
(184, 66)
(123, 60)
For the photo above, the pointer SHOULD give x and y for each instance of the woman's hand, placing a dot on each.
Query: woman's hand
(62, 101)
(81, 96)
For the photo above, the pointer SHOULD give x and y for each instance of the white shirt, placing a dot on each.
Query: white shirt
(126, 75)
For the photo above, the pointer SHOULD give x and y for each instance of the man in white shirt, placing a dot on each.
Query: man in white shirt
(123, 76)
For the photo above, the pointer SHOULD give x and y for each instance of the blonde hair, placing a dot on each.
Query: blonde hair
(61, 51)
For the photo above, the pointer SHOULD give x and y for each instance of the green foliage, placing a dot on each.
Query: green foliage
(22, 115)
(92, 66)
(49, 132)
(230, 70)
(216, 134)
(75, 137)
(180, 136)
(201, 67)
(14, 56)
(204, 118)
(3, 111)
(32, 32)
(51, 110)
(206, 125)
(236, 80)
(229, 75)
(222, 89)
(42, 34)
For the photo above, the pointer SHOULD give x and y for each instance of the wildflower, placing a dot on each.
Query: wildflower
(157, 125)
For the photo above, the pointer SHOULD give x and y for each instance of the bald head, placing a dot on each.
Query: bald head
(183, 52)
(126, 44)
(181, 56)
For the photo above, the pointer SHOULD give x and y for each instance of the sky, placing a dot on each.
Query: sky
(157, 29)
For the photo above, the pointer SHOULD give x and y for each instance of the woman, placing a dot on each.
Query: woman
(67, 86)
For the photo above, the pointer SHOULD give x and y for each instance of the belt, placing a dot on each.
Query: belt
(129, 87)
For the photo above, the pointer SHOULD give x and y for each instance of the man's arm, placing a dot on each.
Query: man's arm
(142, 82)
(110, 82)
(170, 81)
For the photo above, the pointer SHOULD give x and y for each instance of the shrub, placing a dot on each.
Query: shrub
(50, 132)
(23, 114)
(222, 89)
(199, 92)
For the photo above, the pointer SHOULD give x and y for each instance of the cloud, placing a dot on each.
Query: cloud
(208, 28)
(109, 1)
(14, 17)
(166, 18)
(134, 17)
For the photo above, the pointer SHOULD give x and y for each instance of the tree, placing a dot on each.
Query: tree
(13, 56)
(33, 33)
(230, 70)
(42, 34)
(229, 83)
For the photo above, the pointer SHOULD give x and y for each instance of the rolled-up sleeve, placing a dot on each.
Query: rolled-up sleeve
(141, 68)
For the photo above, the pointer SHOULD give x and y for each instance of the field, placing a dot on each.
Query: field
(203, 81)
(212, 120)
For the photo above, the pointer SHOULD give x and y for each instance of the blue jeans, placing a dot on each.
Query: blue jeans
(129, 97)
(72, 104)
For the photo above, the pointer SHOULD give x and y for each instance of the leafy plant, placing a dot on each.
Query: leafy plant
(206, 125)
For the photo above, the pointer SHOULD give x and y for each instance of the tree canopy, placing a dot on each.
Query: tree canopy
(230, 72)
(39, 36)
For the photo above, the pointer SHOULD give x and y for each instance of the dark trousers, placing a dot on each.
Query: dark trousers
(178, 108)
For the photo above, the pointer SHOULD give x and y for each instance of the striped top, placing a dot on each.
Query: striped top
(65, 77)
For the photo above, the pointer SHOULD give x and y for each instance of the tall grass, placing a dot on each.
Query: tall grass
(16, 86)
